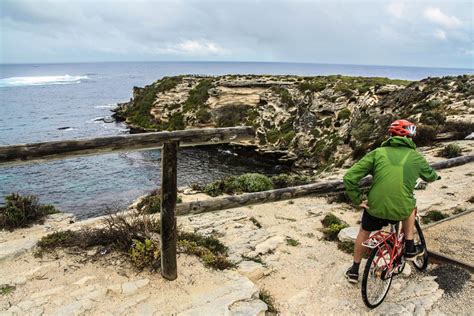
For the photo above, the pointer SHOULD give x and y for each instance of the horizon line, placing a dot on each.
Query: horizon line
(226, 61)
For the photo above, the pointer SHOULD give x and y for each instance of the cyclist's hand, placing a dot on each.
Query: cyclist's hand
(364, 205)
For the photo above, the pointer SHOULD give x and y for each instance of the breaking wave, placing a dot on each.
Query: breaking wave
(40, 80)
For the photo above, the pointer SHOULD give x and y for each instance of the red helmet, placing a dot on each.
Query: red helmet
(402, 128)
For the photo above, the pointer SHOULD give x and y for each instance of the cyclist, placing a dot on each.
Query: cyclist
(395, 166)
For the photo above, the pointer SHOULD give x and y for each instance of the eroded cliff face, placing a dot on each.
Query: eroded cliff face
(314, 122)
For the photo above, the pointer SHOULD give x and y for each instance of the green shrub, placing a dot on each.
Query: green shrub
(198, 96)
(6, 289)
(21, 211)
(273, 135)
(203, 115)
(211, 251)
(286, 180)
(451, 151)
(231, 115)
(316, 85)
(285, 96)
(176, 122)
(292, 242)
(344, 114)
(425, 135)
(145, 254)
(151, 203)
(266, 297)
(331, 232)
(139, 114)
(433, 216)
(249, 182)
(254, 182)
(346, 246)
(331, 219)
(432, 118)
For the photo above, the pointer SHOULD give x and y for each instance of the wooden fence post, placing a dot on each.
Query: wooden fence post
(169, 188)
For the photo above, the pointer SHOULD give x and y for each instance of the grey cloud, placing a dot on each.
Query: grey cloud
(298, 31)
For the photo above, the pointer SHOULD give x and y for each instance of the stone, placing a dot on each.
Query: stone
(16, 247)
(115, 288)
(19, 280)
(146, 309)
(470, 136)
(348, 234)
(407, 270)
(47, 292)
(268, 245)
(75, 308)
(26, 305)
(131, 287)
(252, 307)
(15, 310)
(252, 270)
(84, 280)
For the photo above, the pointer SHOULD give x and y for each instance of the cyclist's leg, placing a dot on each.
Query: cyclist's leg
(359, 249)
(408, 225)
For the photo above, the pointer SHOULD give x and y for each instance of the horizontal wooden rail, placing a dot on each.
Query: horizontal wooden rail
(233, 201)
(15, 154)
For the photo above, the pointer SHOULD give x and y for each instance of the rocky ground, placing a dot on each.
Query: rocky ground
(278, 247)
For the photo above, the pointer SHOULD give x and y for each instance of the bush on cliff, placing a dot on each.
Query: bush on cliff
(231, 115)
(249, 182)
(451, 151)
(21, 211)
(139, 114)
(198, 96)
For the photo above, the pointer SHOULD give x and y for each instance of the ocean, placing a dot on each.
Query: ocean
(42, 102)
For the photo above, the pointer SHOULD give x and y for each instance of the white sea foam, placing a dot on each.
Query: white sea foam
(107, 106)
(40, 80)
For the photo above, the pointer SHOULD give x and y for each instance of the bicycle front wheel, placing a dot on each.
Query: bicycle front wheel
(421, 262)
(375, 283)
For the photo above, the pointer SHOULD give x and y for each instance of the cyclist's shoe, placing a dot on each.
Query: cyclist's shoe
(351, 276)
(411, 256)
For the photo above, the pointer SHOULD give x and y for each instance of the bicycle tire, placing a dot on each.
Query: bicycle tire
(421, 262)
(368, 272)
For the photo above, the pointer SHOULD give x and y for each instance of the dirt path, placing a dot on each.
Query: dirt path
(285, 255)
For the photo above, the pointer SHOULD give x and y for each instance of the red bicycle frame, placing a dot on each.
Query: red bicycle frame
(390, 243)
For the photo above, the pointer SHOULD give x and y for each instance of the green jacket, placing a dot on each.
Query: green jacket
(395, 167)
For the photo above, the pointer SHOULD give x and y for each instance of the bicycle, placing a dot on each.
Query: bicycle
(386, 260)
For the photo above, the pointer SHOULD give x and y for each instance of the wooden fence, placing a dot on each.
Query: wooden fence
(170, 142)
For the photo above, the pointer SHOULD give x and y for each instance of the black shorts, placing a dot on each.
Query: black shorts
(371, 223)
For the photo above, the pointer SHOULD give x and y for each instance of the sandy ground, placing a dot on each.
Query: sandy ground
(306, 279)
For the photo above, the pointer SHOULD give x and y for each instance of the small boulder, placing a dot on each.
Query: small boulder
(348, 234)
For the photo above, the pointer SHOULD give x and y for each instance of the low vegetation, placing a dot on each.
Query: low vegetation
(136, 235)
(433, 216)
(292, 242)
(249, 182)
(451, 151)
(151, 203)
(139, 114)
(22, 211)
(266, 297)
(6, 289)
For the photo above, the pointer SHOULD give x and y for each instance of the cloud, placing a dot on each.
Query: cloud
(198, 47)
(435, 15)
(440, 34)
(396, 9)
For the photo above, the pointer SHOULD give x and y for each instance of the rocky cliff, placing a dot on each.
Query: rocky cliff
(313, 122)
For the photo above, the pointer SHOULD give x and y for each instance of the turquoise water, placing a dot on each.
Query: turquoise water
(63, 101)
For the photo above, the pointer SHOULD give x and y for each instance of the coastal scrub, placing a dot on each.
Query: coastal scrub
(22, 211)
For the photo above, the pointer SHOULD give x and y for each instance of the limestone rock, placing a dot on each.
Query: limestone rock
(252, 270)
(247, 308)
(348, 234)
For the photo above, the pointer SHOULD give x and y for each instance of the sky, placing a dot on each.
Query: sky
(377, 32)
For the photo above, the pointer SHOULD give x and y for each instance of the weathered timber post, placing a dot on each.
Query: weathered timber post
(169, 188)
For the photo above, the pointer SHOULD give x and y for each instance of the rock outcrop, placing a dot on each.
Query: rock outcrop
(313, 122)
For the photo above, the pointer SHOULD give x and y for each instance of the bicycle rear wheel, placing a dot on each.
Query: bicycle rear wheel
(421, 262)
(375, 284)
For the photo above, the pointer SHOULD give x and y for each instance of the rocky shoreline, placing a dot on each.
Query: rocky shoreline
(312, 123)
